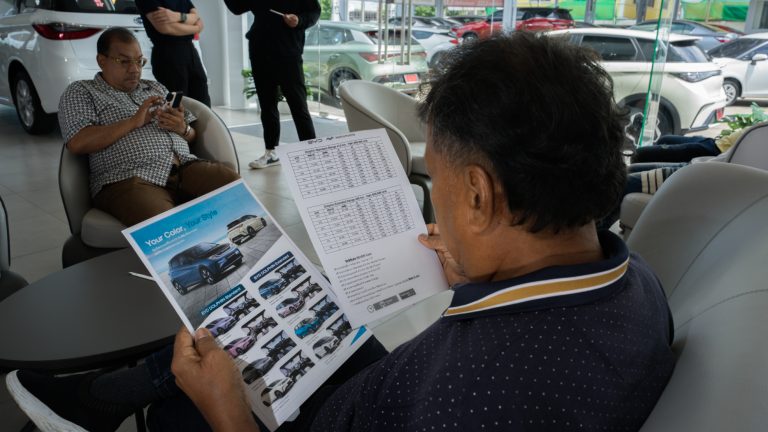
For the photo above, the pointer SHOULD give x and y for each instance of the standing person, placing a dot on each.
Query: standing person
(275, 45)
(171, 25)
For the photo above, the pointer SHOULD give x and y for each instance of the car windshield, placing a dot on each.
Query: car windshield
(735, 48)
(202, 249)
(289, 301)
(394, 37)
(679, 52)
(95, 6)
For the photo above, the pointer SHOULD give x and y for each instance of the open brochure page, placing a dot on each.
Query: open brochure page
(363, 219)
(225, 264)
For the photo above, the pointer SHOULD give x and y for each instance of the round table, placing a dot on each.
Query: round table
(90, 315)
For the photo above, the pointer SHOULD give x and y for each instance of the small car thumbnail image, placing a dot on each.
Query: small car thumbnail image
(278, 346)
(257, 369)
(308, 326)
(220, 326)
(204, 263)
(290, 306)
(290, 271)
(272, 287)
(340, 328)
(324, 308)
(276, 390)
(259, 325)
(240, 306)
(297, 366)
(245, 228)
(239, 346)
(307, 288)
(326, 345)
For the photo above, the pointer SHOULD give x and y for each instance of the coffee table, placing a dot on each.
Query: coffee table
(91, 315)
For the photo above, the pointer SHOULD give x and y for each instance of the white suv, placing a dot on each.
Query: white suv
(47, 44)
(692, 94)
(244, 228)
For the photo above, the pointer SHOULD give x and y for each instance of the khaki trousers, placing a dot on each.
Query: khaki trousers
(135, 200)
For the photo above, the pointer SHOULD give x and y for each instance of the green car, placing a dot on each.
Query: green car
(338, 51)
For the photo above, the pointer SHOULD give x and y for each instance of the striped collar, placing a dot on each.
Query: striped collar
(557, 286)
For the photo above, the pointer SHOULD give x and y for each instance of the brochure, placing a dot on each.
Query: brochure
(364, 221)
(224, 264)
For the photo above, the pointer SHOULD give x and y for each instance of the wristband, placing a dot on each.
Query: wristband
(183, 18)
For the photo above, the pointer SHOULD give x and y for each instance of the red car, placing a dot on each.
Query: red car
(528, 18)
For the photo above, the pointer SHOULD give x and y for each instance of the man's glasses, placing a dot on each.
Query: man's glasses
(126, 63)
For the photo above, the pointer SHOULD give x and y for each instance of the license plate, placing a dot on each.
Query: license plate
(719, 114)
(411, 78)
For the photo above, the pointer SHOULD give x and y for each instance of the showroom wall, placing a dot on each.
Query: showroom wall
(225, 52)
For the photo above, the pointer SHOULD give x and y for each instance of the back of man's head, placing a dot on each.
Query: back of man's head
(539, 114)
(112, 34)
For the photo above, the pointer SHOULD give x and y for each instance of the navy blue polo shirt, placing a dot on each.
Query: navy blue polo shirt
(580, 347)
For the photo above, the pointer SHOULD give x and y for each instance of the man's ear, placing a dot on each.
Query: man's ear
(100, 58)
(479, 197)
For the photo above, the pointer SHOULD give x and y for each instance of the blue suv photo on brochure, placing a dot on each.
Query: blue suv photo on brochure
(192, 253)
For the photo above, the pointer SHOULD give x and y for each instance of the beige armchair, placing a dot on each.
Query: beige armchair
(704, 235)
(95, 232)
(369, 105)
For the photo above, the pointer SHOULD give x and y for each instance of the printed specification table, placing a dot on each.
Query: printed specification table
(358, 220)
(341, 166)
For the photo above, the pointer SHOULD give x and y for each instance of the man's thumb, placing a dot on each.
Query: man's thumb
(204, 342)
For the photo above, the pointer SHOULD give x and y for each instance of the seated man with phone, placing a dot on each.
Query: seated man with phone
(136, 135)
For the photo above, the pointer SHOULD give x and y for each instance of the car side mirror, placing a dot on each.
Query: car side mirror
(759, 57)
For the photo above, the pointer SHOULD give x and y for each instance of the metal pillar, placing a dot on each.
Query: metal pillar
(509, 16)
(589, 12)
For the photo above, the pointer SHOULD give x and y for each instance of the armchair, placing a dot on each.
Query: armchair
(95, 232)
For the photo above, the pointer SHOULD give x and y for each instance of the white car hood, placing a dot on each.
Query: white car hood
(723, 61)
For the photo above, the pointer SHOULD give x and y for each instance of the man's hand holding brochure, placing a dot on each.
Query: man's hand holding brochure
(228, 267)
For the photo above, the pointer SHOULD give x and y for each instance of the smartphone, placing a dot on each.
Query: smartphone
(173, 100)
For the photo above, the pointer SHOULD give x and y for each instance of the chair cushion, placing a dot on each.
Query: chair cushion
(417, 157)
(102, 230)
(632, 207)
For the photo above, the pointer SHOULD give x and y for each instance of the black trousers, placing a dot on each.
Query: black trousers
(287, 73)
(178, 67)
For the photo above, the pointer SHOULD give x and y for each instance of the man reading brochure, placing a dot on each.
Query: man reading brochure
(553, 326)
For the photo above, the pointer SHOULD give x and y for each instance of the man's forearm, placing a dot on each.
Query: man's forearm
(178, 29)
(94, 138)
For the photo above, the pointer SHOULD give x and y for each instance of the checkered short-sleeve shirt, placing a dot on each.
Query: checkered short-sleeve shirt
(146, 152)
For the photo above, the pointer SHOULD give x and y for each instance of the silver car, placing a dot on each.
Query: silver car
(339, 51)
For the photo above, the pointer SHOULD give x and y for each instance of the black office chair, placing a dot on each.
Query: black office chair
(10, 282)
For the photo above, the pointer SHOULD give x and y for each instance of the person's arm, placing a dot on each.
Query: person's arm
(305, 19)
(168, 22)
(238, 7)
(93, 138)
(210, 378)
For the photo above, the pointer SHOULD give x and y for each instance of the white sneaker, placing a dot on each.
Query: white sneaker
(269, 159)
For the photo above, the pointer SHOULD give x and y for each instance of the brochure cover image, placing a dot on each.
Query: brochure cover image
(204, 250)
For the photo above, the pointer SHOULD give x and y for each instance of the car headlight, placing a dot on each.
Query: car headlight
(697, 76)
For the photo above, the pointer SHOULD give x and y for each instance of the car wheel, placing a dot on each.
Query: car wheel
(469, 37)
(207, 276)
(179, 288)
(31, 115)
(251, 231)
(278, 394)
(732, 91)
(239, 351)
(665, 125)
(437, 61)
(263, 222)
(338, 77)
